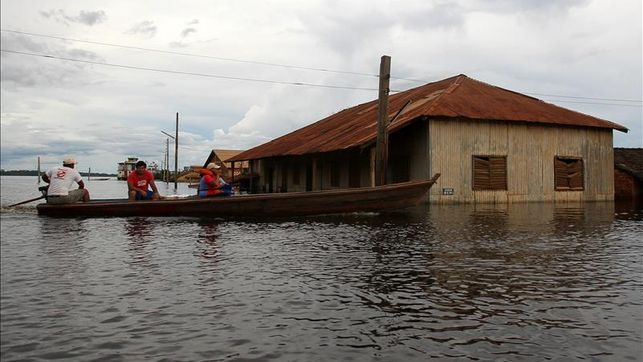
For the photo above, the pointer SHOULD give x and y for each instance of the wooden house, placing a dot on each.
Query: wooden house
(628, 174)
(220, 157)
(490, 144)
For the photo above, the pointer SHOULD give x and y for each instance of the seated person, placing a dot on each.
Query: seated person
(60, 180)
(139, 182)
(211, 183)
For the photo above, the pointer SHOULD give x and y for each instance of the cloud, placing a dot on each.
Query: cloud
(270, 116)
(177, 44)
(19, 70)
(187, 32)
(145, 28)
(89, 18)
(569, 47)
(542, 6)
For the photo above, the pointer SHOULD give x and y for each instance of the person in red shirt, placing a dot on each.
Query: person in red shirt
(139, 182)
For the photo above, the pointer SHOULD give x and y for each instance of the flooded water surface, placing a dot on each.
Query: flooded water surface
(515, 282)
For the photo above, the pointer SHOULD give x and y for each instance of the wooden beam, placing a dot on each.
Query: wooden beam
(381, 146)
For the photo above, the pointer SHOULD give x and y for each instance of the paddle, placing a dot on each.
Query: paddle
(42, 189)
(24, 202)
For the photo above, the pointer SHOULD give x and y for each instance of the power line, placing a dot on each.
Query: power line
(302, 83)
(599, 103)
(191, 54)
(209, 56)
(188, 73)
(591, 98)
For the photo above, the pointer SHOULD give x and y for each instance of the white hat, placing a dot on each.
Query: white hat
(69, 161)
(213, 166)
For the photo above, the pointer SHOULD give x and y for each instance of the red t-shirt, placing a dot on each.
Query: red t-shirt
(141, 182)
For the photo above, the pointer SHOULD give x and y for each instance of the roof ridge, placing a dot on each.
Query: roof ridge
(457, 81)
(507, 90)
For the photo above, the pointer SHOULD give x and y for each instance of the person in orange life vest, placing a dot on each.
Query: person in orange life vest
(139, 182)
(211, 183)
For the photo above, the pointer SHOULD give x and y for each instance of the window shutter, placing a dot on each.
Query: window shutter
(498, 173)
(560, 174)
(481, 175)
(575, 174)
(568, 174)
(489, 172)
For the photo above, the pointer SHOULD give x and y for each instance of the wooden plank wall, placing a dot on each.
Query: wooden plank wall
(530, 151)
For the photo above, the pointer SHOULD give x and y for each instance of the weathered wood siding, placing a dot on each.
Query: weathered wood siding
(530, 152)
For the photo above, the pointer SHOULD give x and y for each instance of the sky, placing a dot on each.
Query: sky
(100, 80)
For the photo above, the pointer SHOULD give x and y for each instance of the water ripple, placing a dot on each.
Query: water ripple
(527, 282)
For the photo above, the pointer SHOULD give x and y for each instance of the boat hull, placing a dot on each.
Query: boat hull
(387, 197)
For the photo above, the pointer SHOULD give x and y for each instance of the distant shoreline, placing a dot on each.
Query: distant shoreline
(35, 173)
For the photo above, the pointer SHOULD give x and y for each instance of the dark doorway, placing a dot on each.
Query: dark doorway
(309, 176)
(270, 174)
(400, 168)
(354, 173)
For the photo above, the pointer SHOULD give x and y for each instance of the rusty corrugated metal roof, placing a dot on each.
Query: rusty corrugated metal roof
(455, 97)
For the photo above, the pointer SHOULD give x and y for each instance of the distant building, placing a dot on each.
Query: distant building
(220, 157)
(628, 174)
(125, 167)
(490, 145)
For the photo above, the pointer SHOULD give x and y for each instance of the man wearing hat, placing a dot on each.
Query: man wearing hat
(60, 180)
(211, 183)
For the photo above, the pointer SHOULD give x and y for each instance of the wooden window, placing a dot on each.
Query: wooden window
(334, 174)
(569, 174)
(489, 172)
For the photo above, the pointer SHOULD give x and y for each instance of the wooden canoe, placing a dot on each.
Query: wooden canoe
(379, 198)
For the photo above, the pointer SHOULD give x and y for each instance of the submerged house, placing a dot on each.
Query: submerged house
(488, 143)
(628, 174)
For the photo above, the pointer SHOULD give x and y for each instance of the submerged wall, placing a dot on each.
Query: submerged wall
(530, 151)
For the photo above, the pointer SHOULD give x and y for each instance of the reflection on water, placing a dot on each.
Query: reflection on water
(139, 236)
(494, 282)
(208, 236)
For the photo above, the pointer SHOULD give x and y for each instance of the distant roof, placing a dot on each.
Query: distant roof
(223, 155)
(629, 160)
(456, 97)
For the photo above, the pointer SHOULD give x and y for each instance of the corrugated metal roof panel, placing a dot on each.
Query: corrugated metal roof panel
(458, 96)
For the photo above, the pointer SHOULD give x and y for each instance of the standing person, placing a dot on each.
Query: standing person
(139, 182)
(211, 183)
(60, 180)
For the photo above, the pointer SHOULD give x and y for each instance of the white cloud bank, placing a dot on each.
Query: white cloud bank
(103, 114)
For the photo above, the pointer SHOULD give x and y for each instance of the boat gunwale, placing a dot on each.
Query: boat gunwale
(243, 198)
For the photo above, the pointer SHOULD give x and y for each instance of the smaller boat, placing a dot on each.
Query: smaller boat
(365, 199)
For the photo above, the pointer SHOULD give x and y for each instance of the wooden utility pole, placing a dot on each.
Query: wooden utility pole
(167, 160)
(381, 145)
(176, 152)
